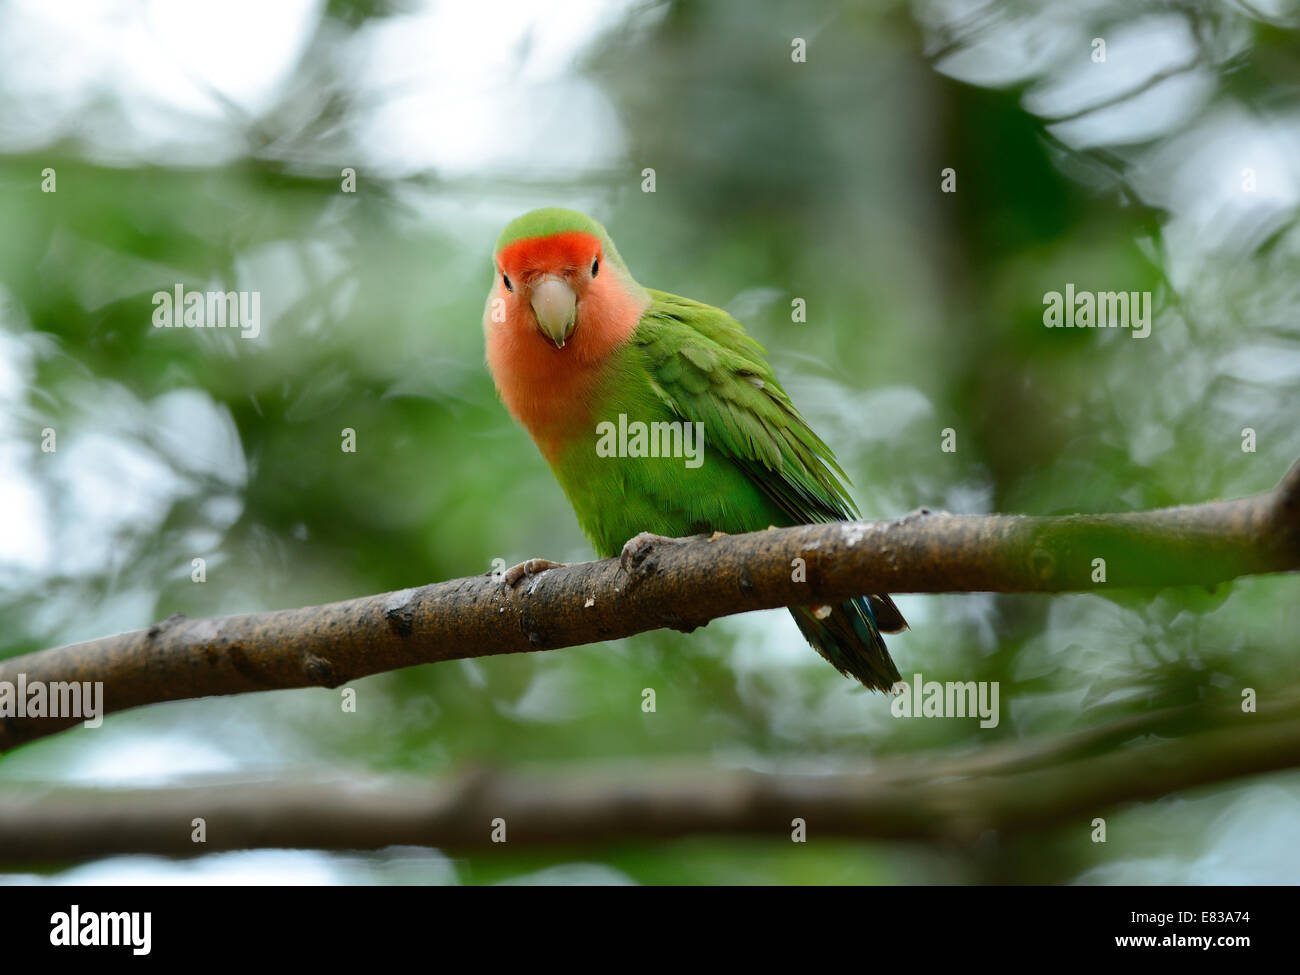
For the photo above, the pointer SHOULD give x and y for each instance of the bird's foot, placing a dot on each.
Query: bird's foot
(530, 567)
(638, 548)
(716, 535)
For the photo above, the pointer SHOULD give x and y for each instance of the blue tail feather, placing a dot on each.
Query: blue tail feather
(849, 638)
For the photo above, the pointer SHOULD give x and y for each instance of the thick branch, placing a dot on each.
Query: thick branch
(681, 586)
(1041, 786)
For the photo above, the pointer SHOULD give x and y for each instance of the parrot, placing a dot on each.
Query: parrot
(575, 346)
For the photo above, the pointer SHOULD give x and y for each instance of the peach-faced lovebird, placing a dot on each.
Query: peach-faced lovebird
(659, 415)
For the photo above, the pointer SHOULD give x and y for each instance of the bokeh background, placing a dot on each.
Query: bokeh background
(204, 143)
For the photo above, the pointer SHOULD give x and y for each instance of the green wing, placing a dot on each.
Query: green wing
(706, 369)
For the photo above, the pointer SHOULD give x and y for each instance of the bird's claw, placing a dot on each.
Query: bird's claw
(638, 548)
(529, 567)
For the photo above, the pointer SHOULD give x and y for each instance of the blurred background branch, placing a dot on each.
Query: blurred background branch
(1067, 782)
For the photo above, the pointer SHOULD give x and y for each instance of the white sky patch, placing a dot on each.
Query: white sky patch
(254, 868)
(107, 485)
(1135, 54)
(472, 89)
(1002, 50)
(24, 548)
(1251, 842)
(241, 740)
(119, 466)
(1147, 115)
(765, 639)
(467, 87)
(141, 761)
(242, 50)
(1201, 177)
(161, 65)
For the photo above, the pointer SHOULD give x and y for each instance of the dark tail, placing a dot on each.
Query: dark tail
(849, 638)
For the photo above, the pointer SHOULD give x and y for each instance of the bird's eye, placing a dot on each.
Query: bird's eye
(595, 266)
(505, 279)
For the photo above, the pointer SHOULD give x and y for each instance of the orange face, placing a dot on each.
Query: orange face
(552, 279)
(556, 315)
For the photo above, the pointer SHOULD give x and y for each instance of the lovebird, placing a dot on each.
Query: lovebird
(591, 363)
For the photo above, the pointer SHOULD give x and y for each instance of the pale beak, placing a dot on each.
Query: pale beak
(556, 308)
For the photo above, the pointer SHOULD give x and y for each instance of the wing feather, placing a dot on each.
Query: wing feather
(706, 369)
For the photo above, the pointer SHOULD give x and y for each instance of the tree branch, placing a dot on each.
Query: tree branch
(1021, 786)
(682, 586)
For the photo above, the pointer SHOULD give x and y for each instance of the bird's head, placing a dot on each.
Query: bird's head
(560, 280)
